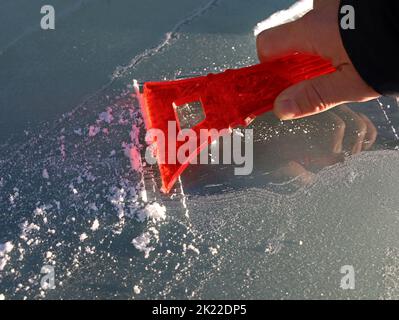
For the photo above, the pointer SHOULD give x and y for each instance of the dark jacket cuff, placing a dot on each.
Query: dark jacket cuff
(373, 45)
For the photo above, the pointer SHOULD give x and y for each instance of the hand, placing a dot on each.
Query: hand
(318, 33)
(328, 139)
(293, 151)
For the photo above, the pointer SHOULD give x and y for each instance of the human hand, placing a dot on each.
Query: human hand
(329, 138)
(317, 32)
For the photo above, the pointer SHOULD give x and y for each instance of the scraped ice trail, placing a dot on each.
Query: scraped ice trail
(388, 119)
(73, 191)
(66, 181)
(297, 10)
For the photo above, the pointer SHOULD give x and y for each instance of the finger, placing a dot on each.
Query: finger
(356, 129)
(360, 136)
(338, 134)
(321, 94)
(327, 160)
(316, 32)
(293, 170)
(281, 40)
(371, 135)
(318, 3)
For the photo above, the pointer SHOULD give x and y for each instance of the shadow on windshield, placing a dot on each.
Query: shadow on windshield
(288, 155)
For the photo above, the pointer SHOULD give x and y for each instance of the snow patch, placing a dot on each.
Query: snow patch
(153, 211)
(296, 11)
(93, 131)
(135, 159)
(106, 116)
(95, 225)
(191, 248)
(141, 243)
(136, 289)
(45, 174)
(5, 249)
(26, 229)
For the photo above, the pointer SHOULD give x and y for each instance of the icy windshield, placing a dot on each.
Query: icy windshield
(76, 203)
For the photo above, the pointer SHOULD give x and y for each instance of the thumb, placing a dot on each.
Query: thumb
(319, 94)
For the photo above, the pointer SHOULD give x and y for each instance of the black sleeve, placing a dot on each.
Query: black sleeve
(373, 45)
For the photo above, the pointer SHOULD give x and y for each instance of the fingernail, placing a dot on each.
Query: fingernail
(286, 109)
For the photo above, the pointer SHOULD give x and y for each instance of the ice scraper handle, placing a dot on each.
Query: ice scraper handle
(238, 96)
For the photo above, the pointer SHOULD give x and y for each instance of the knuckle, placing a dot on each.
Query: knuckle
(261, 41)
(340, 125)
(313, 98)
(361, 129)
(360, 125)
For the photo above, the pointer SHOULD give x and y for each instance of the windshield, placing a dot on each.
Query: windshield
(77, 203)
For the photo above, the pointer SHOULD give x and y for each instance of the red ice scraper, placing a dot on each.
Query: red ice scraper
(226, 100)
